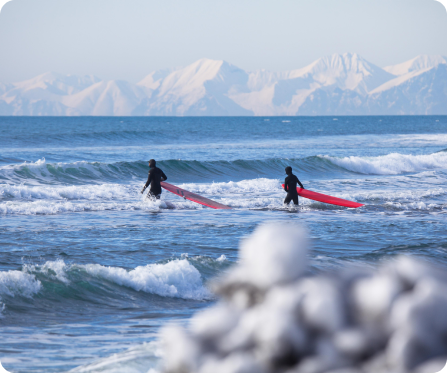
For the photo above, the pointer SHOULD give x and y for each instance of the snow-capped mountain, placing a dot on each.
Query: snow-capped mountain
(198, 89)
(420, 63)
(341, 84)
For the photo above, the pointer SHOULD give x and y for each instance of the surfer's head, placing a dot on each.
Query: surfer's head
(289, 170)
(152, 163)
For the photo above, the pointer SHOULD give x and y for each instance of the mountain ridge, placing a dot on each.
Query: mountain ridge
(340, 84)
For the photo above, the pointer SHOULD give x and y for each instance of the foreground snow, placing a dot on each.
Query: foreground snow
(275, 317)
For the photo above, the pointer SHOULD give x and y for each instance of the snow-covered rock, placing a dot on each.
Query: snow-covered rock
(274, 316)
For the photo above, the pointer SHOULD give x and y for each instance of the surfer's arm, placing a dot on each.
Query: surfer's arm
(301, 185)
(163, 176)
(286, 186)
(149, 179)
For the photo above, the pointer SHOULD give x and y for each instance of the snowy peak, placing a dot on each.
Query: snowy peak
(196, 88)
(153, 80)
(341, 84)
(420, 63)
(192, 78)
(114, 97)
(345, 71)
(57, 83)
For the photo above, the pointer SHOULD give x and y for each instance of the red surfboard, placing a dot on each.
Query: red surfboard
(194, 197)
(326, 199)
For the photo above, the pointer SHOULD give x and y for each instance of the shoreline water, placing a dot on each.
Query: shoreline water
(72, 218)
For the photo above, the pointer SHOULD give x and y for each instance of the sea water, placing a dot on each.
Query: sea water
(90, 269)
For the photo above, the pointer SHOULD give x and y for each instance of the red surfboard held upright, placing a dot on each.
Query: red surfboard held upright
(194, 197)
(326, 199)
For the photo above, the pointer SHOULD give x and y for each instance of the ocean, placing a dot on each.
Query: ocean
(90, 269)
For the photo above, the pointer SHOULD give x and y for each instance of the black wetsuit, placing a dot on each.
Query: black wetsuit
(154, 178)
(290, 185)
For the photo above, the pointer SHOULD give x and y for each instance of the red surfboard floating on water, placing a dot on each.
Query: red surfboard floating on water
(327, 199)
(194, 197)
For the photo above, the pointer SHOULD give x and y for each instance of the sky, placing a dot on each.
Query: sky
(128, 39)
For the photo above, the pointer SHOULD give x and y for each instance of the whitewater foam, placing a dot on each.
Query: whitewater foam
(55, 270)
(174, 279)
(14, 283)
(143, 358)
(391, 164)
(74, 192)
(247, 194)
(178, 279)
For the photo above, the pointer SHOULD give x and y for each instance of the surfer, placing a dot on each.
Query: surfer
(154, 178)
(290, 185)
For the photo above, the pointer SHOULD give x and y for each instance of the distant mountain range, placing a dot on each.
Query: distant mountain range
(342, 84)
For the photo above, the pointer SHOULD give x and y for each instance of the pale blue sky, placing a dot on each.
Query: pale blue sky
(127, 39)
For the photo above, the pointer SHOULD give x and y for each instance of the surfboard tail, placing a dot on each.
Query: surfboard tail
(320, 197)
(194, 197)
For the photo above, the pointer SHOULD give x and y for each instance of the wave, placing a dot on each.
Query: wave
(87, 137)
(175, 278)
(320, 166)
(391, 164)
(75, 173)
(17, 283)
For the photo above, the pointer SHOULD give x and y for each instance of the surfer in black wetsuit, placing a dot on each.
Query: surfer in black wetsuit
(290, 185)
(154, 178)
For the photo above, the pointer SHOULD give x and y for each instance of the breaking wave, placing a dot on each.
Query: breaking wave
(76, 173)
(391, 164)
(176, 278)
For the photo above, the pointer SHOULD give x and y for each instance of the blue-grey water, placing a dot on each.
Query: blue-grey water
(90, 268)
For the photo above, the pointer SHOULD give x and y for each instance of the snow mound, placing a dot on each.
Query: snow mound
(274, 316)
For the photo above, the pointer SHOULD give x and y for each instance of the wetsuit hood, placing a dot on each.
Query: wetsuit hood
(289, 170)
(152, 163)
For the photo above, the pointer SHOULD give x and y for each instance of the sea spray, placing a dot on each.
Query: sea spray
(274, 316)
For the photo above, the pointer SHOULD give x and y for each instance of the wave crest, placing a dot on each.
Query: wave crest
(391, 164)
(175, 279)
(83, 172)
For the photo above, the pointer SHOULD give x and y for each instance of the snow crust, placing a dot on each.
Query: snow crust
(341, 84)
(274, 316)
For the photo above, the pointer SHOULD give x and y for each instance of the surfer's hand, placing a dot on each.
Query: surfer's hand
(142, 190)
